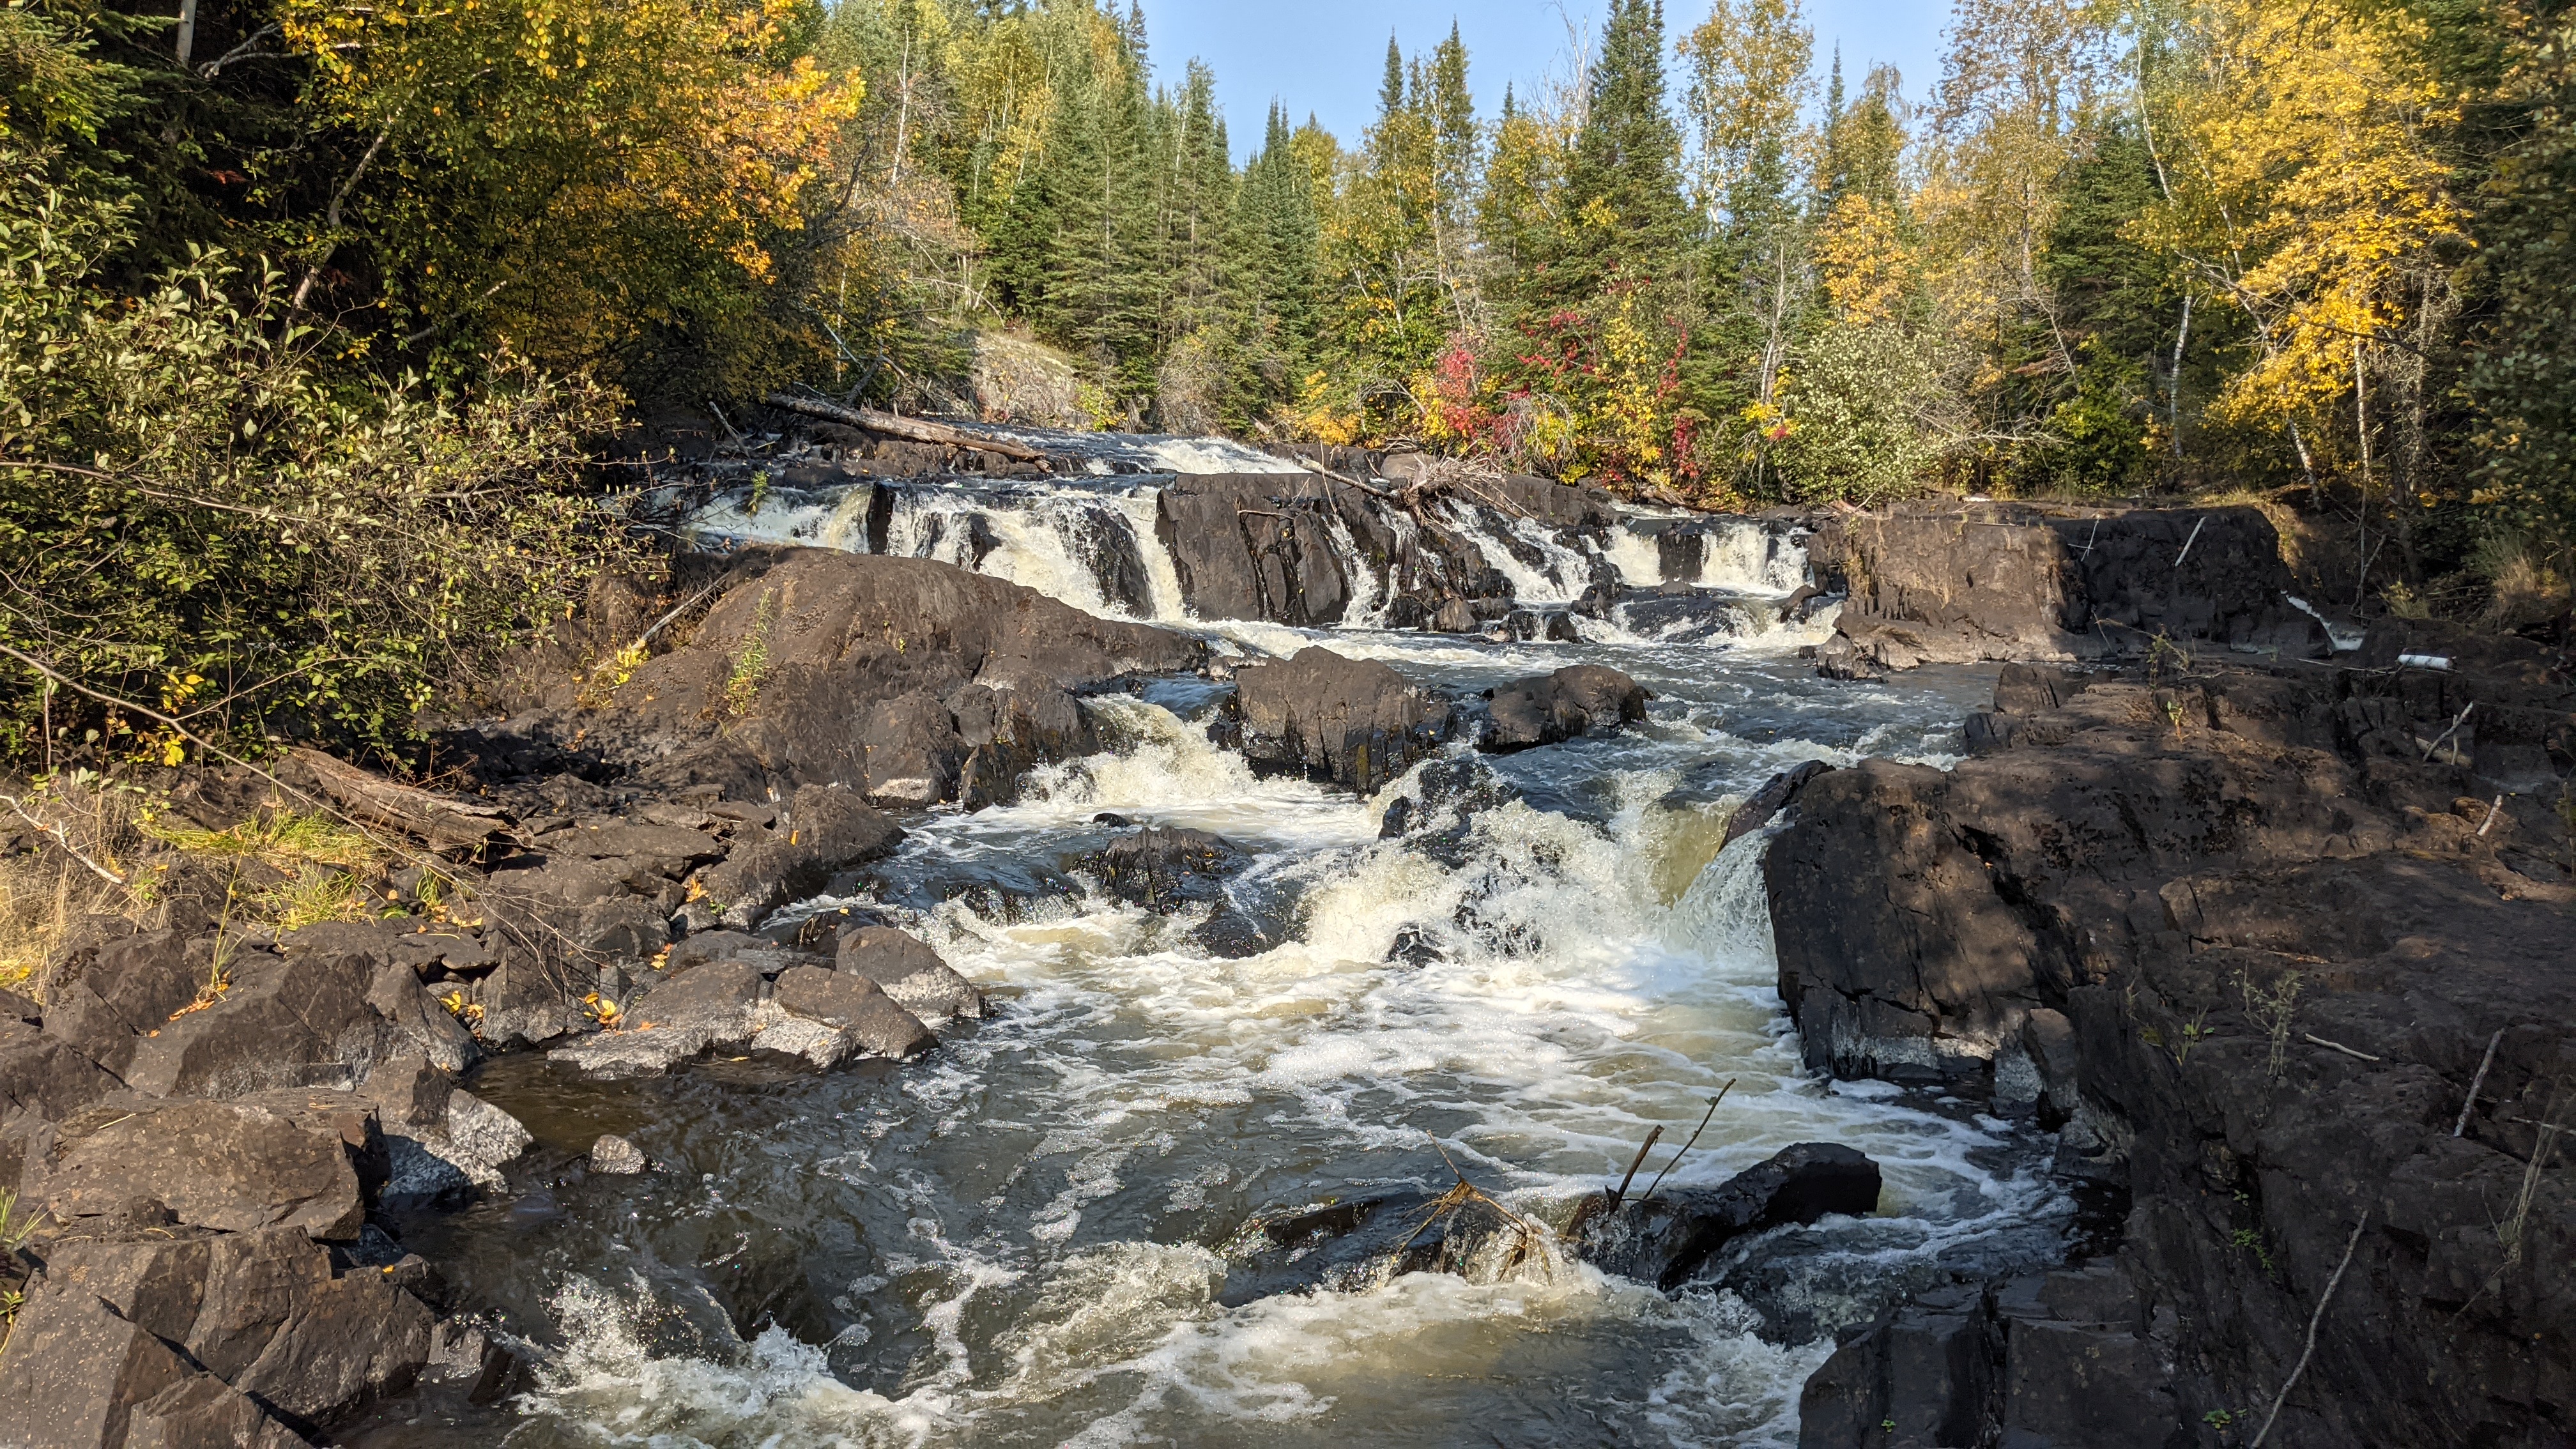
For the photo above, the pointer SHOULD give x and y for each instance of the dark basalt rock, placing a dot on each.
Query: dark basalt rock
(251, 1334)
(1667, 1238)
(1357, 723)
(1231, 935)
(2245, 936)
(1255, 546)
(1164, 869)
(909, 972)
(857, 1004)
(1352, 1243)
(1369, 1237)
(1575, 701)
(826, 832)
(2002, 582)
(839, 640)
(1437, 819)
(1777, 794)
(304, 1160)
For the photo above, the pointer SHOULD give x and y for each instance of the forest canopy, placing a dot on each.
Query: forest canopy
(2113, 249)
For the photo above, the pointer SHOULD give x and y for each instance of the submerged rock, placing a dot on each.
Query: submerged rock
(1448, 794)
(1369, 1237)
(1164, 868)
(616, 1157)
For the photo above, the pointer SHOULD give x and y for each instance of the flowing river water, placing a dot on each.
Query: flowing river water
(1020, 1240)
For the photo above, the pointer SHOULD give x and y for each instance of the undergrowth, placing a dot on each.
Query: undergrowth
(83, 836)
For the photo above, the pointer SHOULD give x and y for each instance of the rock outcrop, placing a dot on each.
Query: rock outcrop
(1354, 722)
(1578, 700)
(908, 682)
(1271, 545)
(2244, 937)
(2013, 582)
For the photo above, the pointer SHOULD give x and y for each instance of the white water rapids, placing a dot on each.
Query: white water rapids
(1017, 1241)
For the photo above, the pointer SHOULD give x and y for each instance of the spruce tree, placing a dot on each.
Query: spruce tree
(1622, 211)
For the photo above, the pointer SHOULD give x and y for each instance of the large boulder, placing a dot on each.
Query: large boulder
(302, 1160)
(1354, 722)
(44, 1077)
(175, 1333)
(1164, 868)
(1254, 546)
(909, 972)
(323, 1007)
(824, 832)
(1578, 700)
(794, 660)
(714, 1005)
(857, 1005)
(107, 1000)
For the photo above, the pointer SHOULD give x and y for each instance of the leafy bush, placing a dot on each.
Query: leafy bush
(1854, 428)
(196, 514)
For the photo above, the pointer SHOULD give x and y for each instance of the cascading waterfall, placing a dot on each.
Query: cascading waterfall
(1093, 541)
(1020, 1240)
(1023, 1239)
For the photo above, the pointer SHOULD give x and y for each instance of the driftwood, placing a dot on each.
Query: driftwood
(917, 430)
(445, 822)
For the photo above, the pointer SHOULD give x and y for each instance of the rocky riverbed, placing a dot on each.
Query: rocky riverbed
(901, 1005)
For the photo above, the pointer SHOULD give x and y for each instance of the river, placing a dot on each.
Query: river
(1021, 1240)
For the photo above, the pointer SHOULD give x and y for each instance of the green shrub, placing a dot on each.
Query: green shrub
(200, 513)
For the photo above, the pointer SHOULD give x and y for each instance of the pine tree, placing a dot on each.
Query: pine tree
(1622, 211)
(1512, 204)
(1457, 146)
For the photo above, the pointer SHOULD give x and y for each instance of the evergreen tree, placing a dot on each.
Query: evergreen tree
(1511, 205)
(1622, 210)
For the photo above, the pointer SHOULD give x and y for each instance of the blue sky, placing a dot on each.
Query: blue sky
(1325, 56)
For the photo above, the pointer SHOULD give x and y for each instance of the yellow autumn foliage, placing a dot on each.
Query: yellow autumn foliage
(569, 171)
(2304, 187)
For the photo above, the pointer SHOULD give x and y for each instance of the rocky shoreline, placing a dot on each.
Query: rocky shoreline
(2280, 950)
(2090, 924)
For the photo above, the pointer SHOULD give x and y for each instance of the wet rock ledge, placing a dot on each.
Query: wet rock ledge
(2280, 951)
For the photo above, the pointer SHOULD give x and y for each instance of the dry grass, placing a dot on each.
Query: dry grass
(89, 843)
(101, 848)
(2525, 587)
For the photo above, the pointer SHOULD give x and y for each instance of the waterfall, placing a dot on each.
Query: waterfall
(1092, 540)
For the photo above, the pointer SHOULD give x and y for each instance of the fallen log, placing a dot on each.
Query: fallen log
(917, 430)
(444, 822)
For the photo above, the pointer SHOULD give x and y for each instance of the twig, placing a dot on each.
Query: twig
(2476, 1082)
(63, 838)
(2457, 720)
(1694, 1141)
(1633, 1164)
(2188, 542)
(2313, 1320)
(2492, 811)
(2338, 1046)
